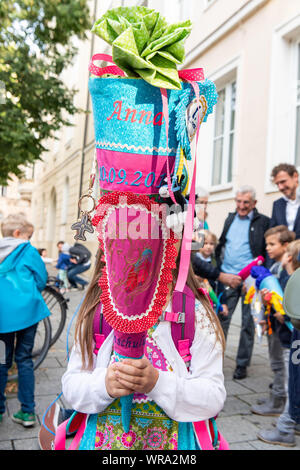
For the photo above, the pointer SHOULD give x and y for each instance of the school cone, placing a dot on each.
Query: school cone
(266, 280)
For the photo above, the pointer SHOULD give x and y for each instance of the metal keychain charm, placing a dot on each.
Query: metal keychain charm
(84, 224)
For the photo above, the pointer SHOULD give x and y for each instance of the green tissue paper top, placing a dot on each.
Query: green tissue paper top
(144, 45)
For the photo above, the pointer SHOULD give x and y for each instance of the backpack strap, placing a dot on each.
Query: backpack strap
(183, 324)
(77, 422)
(101, 328)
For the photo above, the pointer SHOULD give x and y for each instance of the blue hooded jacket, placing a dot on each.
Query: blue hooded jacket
(22, 278)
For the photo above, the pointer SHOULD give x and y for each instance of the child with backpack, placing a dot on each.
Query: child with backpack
(277, 241)
(174, 401)
(22, 278)
(207, 254)
(284, 432)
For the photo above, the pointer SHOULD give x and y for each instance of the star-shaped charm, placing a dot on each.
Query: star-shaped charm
(82, 226)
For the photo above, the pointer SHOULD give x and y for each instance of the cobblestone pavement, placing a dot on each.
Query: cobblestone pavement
(236, 422)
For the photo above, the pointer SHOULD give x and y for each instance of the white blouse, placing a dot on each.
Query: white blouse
(185, 396)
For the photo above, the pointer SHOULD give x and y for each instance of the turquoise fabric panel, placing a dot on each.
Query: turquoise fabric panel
(88, 438)
(186, 437)
(128, 112)
(128, 115)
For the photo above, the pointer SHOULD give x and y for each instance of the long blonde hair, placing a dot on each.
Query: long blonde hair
(84, 324)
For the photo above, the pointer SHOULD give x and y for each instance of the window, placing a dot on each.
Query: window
(297, 142)
(65, 202)
(223, 142)
(283, 143)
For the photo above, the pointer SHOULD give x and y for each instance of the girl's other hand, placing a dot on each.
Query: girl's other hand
(137, 374)
(113, 386)
(225, 310)
(279, 317)
(264, 293)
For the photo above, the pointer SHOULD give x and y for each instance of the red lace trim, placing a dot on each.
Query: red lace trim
(110, 314)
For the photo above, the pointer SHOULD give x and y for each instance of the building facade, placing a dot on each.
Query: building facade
(251, 50)
(16, 196)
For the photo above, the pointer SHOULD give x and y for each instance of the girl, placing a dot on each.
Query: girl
(207, 254)
(167, 397)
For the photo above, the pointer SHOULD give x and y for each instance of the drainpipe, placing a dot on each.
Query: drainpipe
(86, 115)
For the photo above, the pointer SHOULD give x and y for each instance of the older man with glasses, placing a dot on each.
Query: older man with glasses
(241, 241)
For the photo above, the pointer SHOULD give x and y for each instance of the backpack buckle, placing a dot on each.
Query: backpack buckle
(181, 317)
(178, 317)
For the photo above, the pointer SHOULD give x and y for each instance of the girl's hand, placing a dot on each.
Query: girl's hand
(113, 386)
(263, 294)
(137, 374)
(263, 325)
(279, 317)
(225, 310)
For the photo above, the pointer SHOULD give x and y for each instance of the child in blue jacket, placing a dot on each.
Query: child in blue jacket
(22, 278)
(63, 263)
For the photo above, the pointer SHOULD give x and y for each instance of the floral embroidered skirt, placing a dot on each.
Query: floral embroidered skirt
(150, 429)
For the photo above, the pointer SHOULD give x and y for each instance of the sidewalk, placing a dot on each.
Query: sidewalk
(238, 425)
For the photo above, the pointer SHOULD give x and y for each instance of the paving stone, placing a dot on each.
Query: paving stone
(11, 430)
(242, 446)
(26, 444)
(238, 429)
(6, 445)
(236, 388)
(252, 398)
(235, 406)
(257, 384)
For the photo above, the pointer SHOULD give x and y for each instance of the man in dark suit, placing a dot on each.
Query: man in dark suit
(286, 210)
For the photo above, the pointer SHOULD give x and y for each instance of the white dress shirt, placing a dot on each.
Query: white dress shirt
(291, 212)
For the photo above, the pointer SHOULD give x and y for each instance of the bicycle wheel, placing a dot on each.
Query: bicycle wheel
(57, 305)
(41, 345)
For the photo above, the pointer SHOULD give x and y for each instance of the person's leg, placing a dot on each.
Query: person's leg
(277, 366)
(284, 433)
(70, 275)
(247, 334)
(8, 340)
(73, 275)
(285, 423)
(232, 297)
(23, 356)
(274, 404)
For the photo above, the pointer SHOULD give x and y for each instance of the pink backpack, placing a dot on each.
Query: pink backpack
(182, 320)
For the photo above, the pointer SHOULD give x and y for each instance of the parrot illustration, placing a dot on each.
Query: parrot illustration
(139, 271)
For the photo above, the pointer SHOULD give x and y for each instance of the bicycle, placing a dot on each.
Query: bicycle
(58, 305)
(50, 328)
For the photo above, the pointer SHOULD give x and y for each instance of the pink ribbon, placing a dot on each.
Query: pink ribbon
(189, 223)
(99, 71)
(190, 75)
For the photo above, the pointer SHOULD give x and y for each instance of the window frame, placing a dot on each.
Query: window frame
(297, 107)
(226, 135)
(281, 136)
(208, 3)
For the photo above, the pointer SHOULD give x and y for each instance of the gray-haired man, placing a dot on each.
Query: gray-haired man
(241, 241)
